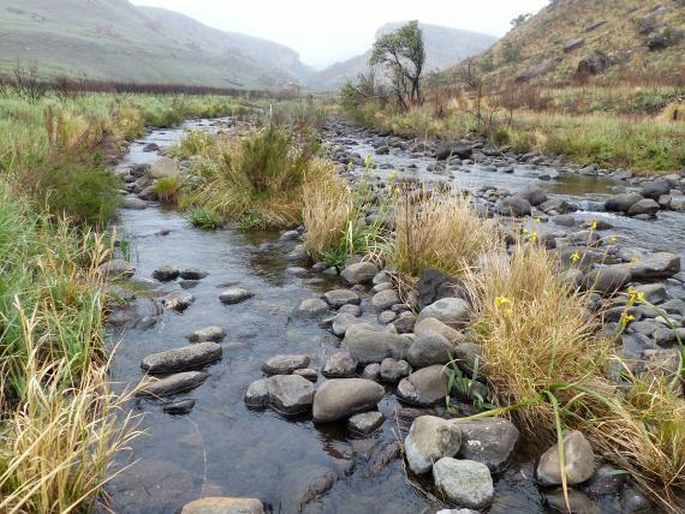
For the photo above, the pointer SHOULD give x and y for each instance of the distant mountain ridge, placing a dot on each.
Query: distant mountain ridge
(114, 40)
(445, 47)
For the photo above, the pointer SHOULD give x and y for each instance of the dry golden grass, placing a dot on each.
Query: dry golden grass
(535, 334)
(58, 444)
(328, 210)
(440, 231)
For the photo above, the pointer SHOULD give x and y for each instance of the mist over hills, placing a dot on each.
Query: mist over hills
(115, 40)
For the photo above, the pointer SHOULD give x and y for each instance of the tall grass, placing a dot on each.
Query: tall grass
(440, 231)
(257, 180)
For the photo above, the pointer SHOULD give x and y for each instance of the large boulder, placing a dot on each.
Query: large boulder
(430, 439)
(464, 482)
(340, 398)
(646, 207)
(654, 267)
(359, 273)
(606, 280)
(430, 349)
(447, 150)
(340, 365)
(534, 197)
(429, 326)
(286, 394)
(514, 206)
(435, 285)
(366, 344)
(579, 461)
(453, 312)
(622, 202)
(655, 189)
(424, 387)
(182, 359)
(164, 167)
(490, 441)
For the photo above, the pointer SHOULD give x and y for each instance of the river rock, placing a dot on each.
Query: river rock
(392, 371)
(285, 364)
(366, 422)
(359, 273)
(579, 502)
(192, 274)
(164, 167)
(429, 326)
(424, 387)
(166, 273)
(430, 439)
(464, 482)
(340, 365)
(311, 308)
(178, 300)
(534, 197)
(490, 441)
(116, 269)
(223, 505)
(339, 398)
(606, 280)
(342, 322)
(385, 299)
(133, 203)
(579, 457)
(366, 344)
(181, 359)
(453, 312)
(340, 297)
(655, 189)
(310, 374)
(447, 150)
(286, 394)
(234, 295)
(214, 334)
(558, 206)
(514, 206)
(435, 285)
(655, 266)
(179, 407)
(372, 371)
(646, 206)
(177, 383)
(622, 202)
(430, 349)
(405, 322)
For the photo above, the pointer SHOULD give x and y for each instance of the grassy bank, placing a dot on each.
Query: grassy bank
(614, 128)
(60, 423)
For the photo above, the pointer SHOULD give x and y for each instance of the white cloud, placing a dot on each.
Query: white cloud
(324, 32)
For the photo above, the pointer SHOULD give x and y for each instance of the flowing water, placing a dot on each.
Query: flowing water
(223, 448)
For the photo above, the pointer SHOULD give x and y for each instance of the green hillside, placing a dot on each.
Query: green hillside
(113, 40)
(445, 47)
(621, 40)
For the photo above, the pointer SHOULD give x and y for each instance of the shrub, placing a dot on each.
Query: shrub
(167, 189)
(204, 217)
(195, 142)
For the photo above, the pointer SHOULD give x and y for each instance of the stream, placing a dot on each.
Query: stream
(224, 448)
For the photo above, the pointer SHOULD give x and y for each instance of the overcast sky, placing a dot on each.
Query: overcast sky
(325, 32)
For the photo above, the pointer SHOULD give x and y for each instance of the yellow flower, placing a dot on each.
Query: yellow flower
(626, 318)
(503, 301)
(593, 225)
(575, 257)
(538, 220)
(635, 296)
(613, 239)
(533, 237)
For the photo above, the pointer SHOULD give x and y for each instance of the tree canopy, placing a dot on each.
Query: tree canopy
(402, 52)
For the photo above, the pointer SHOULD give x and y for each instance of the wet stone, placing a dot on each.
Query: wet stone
(464, 482)
(385, 299)
(359, 273)
(178, 300)
(285, 394)
(430, 349)
(579, 502)
(181, 359)
(173, 384)
(214, 334)
(579, 458)
(339, 297)
(285, 364)
(392, 371)
(166, 273)
(117, 269)
(193, 274)
(372, 371)
(424, 387)
(430, 438)
(366, 422)
(311, 308)
(179, 407)
(489, 441)
(453, 312)
(310, 374)
(340, 365)
(387, 317)
(234, 295)
(339, 398)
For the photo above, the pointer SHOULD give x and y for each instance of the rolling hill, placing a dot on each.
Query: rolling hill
(445, 47)
(638, 40)
(114, 40)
